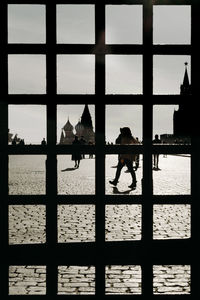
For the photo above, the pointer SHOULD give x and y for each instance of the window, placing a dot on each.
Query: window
(74, 74)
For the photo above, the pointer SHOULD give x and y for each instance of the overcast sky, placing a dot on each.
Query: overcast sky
(75, 73)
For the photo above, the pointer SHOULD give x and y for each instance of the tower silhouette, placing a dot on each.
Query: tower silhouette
(182, 117)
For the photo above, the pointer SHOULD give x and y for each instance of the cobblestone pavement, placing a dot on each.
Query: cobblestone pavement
(27, 280)
(27, 176)
(76, 280)
(73, 181)
(123, 280)
(76, 223)
(171, 279)
(119, 279)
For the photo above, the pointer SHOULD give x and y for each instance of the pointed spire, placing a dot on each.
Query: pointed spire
(86, 119)
(186, 78)
(186, 86)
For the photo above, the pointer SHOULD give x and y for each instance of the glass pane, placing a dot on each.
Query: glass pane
(27, 224)
(76, 174)
(27, 280)
(124, 24)
(124, 74)
(171, 174)
(126, 279)
(76, 280)
(171, 24)
(27, 174)
(123, 222)
(169, 122)
(124, 174)
(171, 280)
(171, 222)
(26, 24)
(27, 124)
(76, 223)
(75, 120)
(26, 74)
(75, 24)
(75, 74)
(169, 74)
(119, 116)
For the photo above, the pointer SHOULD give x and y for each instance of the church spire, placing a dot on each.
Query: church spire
(86, 119)
(186, 87)
(186, 79)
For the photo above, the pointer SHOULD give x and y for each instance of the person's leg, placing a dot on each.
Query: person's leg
(118, 172)
(131, 170)
(78, 163)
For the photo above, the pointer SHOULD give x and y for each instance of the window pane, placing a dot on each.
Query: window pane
(27, 123)
(172, 174)
(27, 174)
(26, 74)
(171, 222)
(123, 222)
(169, 122)
(27, 224)
(76, 223)
(123, 74)
(75, 74)
(171, 24)
(119, 116)
(26, 24)
(27, 280)
(168, 73)
(122, 280)
(76, 280)
(124, 24)
(75, 24)
(171, 280)
(121, 173)
(75, 120)
(76, 174)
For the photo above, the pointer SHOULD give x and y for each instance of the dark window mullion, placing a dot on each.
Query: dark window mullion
(195, 161)
(147, 184)
(51, 163)
(100, 141)
(3, 152)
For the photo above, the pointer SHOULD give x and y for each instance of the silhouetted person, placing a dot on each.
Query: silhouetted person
(125, 159)
(14, 142)
(156, 155)
(137, 156)
(82, 142)
(21, 143)
(90, 155)
(76, 156)
(43, 142)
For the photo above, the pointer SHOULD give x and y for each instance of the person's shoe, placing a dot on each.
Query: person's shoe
(113, 182)
(132, 186)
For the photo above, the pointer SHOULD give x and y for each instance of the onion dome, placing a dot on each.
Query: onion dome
(68, 126)
(79, 127)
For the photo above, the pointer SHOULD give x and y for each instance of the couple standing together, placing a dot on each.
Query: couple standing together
(125, 137)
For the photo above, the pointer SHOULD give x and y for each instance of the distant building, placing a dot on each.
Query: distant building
(9, 137)
(83, 129)
(182, 128)
(182, 123)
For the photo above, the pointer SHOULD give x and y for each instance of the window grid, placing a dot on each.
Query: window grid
(162, 252)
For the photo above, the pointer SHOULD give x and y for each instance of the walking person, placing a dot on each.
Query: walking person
(156, 155)
(125, 159)
(76, 156)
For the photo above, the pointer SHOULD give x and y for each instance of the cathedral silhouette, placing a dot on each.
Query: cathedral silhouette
(182, 128)
(84, 129)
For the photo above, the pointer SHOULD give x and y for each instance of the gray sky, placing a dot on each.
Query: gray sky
(75, 73)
